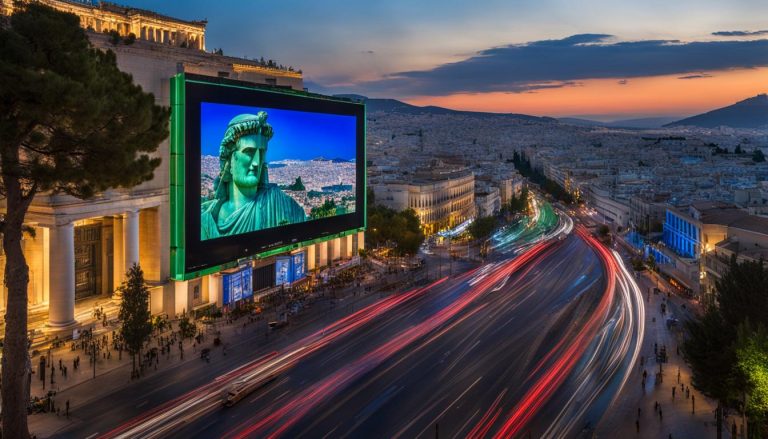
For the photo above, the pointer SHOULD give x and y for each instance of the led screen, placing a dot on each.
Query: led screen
(237, 285)
(262, 168)
(257, 170)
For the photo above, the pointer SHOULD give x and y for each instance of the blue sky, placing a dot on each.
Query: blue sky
(297, 134)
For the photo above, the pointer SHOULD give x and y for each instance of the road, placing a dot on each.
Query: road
(537, 341)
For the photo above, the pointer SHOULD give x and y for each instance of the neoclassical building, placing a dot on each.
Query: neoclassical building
(143, 24)
(442, 197)
(82, 248)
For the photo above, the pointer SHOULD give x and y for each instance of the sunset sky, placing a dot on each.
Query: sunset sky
(599, 59)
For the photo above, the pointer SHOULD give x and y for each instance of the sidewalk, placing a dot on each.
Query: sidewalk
(680, 417)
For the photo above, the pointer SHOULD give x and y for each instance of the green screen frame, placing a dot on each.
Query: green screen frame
(177, 178)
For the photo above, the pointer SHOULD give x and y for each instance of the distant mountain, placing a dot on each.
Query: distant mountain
(641, 123)
(749, 113)
(644, 122)
(374, 105)
(581, 122)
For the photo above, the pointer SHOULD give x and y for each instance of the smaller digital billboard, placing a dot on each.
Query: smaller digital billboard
(289, 269)
(283, 271)
(298, 266)
(238, 285)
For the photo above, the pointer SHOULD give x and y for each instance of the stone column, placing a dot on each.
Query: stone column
(348, 250)
(360, 241)
(61, 305)
(322, 251)
(131, 238)
(310, 258)
(334, 249)
(118, 264)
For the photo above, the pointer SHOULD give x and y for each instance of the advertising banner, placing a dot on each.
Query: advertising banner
(237, 285)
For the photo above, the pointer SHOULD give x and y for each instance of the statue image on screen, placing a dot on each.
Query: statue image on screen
(244, 199)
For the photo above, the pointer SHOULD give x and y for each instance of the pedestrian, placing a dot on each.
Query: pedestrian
(693, 404)
(661, 416)
(637, 425)
(66, 411)
(645, 374)
(678, 374)
(655, 349)
(673, 392)
(656, 406)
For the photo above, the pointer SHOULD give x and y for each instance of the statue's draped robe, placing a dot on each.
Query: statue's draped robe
(270, 208)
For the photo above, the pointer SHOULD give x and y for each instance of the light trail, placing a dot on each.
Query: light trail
(160, 420)
(593, 357)
(277, 421)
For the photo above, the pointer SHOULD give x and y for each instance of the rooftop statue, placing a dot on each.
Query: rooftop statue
(245, 201)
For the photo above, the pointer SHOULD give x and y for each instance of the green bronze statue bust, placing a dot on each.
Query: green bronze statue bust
(244, 200)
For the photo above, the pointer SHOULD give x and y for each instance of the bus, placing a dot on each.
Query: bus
(242, 389)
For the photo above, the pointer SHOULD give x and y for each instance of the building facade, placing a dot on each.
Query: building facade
(81, 249)
(442, 198)
(105, 17)
(613, 211)
(701, 237)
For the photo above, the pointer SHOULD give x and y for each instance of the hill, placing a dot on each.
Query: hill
(749, 113)
(374, 105)
(641, 123)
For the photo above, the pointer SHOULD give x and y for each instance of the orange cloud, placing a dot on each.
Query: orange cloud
(647, 96)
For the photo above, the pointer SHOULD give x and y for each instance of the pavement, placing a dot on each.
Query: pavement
(681, 417)
(113, 374)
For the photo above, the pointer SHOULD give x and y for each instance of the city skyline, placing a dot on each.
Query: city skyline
(599, 60)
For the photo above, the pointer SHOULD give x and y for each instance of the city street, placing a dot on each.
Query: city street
(531, 344)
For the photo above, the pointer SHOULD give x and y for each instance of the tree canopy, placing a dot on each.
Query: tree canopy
(135, 316)
(727, 348)
(523, 165)
(70, 122)
(387, 226)
(482, 228)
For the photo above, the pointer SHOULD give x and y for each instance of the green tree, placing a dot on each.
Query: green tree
(482, 228)
(136, 320)
(388, 226)
(722, 345)
(187, 329)
(603, 230)
(651, 261)
(752, 364)
(328, 208)
(71, 123)
(758, 156)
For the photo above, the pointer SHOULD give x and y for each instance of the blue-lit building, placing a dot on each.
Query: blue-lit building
(689, 233)
(682, 234)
